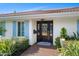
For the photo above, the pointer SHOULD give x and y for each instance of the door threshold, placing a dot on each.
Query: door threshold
(44, 43)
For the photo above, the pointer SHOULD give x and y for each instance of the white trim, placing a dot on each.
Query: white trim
(30, 32)
(16, 28)
(32, 36)
(49, 15)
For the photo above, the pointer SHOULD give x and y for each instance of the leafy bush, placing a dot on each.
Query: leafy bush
(8, 46)
(2, 29)
(71, 49)
(57, 42)
(75, 36)
(63, 32)
(21, 44)
(68, 37)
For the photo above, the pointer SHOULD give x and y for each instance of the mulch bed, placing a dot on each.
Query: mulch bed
(19, 52)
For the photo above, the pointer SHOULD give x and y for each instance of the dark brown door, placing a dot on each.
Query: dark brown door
(45, 31)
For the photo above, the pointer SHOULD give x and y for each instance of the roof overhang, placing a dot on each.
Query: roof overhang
(41, 16)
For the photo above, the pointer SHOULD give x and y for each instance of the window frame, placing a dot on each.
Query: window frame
(20, 28)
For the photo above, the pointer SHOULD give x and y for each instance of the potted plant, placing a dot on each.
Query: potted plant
(63, 35)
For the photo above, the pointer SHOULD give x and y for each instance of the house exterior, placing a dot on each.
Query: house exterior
(41, 25)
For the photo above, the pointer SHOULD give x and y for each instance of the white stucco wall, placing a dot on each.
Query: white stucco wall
(70, 23)
(9, 29)
(32, 36)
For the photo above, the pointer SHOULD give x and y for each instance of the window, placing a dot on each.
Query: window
(20, 28)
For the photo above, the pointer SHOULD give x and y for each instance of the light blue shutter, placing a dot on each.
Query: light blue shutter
(26, 29)
(14, 28)
(78, 26)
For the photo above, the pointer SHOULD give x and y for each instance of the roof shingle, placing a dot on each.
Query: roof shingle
(75, 9)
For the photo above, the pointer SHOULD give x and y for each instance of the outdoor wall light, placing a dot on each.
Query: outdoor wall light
(34, 31)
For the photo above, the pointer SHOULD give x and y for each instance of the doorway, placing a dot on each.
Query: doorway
(45, 31)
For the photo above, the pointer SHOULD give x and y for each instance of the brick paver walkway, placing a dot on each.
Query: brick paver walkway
(37, 50)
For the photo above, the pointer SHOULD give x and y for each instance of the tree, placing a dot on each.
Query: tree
(2, 30)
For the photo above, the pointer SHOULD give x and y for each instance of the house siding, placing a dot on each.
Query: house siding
(9, 29)
(70, 23)
(32, 36)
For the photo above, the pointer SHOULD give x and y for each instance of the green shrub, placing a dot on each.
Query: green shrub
(66, 37)
(21, 44)
(75, 36)
(8, 46)
(57, 42)
(63, 32)
(71, 49)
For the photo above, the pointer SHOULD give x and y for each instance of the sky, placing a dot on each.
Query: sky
(20, 7)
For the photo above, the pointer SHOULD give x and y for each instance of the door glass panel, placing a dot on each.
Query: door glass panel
(38, 28)
(51, 30)
(44, 29)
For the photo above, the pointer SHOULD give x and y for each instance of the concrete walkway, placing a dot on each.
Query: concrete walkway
(37, 50)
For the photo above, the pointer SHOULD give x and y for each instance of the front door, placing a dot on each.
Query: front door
(45, 31)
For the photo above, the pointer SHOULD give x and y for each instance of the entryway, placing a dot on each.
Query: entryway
(45, 31)
(37, 50)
